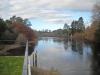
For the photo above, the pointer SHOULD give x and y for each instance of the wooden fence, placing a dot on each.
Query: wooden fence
(29, 61)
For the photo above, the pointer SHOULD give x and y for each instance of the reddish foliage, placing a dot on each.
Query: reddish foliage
(25, 30)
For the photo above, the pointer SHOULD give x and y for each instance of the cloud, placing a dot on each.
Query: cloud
(48, 10)
(58, 21)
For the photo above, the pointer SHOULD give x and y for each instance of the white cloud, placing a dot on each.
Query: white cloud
(58, 20)
(46, 9)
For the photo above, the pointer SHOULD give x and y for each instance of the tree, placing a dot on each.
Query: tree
(66, 30)
(97, 35)
(20, 20)
(13, 19)
(77, 26)
(27, 22)
(74, 27)
(66, 26)
(16, 19)
(96, 13)
(96, 21)
(80, 26)
(3, 26)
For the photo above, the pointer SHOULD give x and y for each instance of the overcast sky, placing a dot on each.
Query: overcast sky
(48, 14)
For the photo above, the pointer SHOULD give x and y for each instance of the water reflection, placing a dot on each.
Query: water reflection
(68, 57)
(77, 46)
(60, 41)
(57, 40)
(96, 60)
(66, 43)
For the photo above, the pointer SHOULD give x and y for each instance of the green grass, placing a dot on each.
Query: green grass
(11, 65)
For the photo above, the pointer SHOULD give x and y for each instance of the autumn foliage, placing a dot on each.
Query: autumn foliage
(25, 30)
(89, 33)
(92, 33)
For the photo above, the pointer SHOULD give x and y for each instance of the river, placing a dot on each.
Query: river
(67, 57)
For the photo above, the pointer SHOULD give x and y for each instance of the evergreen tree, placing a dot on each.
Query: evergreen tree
(27, 22)
(20, 20)
(66, 26)
(66, 30)
(74, 27)
(80, 26)
(77, 26)
(3, 26)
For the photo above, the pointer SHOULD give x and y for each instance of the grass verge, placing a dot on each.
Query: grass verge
(11, 65)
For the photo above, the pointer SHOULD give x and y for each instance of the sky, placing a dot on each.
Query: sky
(48, 14)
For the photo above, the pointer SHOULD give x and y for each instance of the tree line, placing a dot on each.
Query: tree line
(67, 31)
(15, 28)
(92, 33)
(78, 31)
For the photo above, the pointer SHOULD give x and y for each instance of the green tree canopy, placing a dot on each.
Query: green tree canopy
(3, 26)
(20, 20)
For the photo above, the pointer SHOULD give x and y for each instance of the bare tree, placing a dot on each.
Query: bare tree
(96, 21)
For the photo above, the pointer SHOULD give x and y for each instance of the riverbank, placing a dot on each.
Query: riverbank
(38, 71)
(16, 49)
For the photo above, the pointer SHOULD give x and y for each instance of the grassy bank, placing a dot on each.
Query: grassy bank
(10, 65)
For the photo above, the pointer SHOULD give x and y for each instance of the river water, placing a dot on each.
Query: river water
(67, 57)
